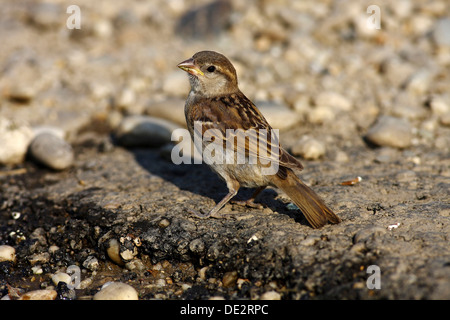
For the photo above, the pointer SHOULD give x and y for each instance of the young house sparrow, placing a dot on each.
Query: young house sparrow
(215, 104)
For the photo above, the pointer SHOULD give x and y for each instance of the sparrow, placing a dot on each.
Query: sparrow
(216, 104)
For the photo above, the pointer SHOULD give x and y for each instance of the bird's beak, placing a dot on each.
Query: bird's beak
(190, 67)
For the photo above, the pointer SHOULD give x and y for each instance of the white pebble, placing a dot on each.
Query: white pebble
(309, 148)
(271, 295)
(333, 100)
(61, 277)
(14, 141)
(171, 109)
(391, 132)
(176, 84)
(91, 263)
(117, 291)
(278, 115)
(37, 270)
(7, 253)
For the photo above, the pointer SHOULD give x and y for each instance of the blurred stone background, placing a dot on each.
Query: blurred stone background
(314, 61)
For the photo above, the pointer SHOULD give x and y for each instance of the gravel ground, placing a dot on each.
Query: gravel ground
(84, 188)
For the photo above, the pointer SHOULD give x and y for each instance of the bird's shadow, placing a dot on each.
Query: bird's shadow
(200, 179)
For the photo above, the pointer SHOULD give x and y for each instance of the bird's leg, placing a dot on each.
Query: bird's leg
(251, 202)
(233, 187)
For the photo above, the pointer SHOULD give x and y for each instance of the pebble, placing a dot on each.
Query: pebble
(117, 291)
(278, 115)
(171, 109)
(39, 295)
(36, 258)
(61, 277)
(309, 148)
(7, 253)
(136, 265)
(52, 151)
(440, 105)
(441, 32)
(37, 270)
(197, 246)
(229, 279)
(91, 263)
(22, 80)
(390, 131)
(333, 100)
(386, 155)
(14, 141)
(176, 84)
(37, 130)
(46, 15)
(271, 295)
(144, 131)
(321, 114)
(205, 21)
(113, 251)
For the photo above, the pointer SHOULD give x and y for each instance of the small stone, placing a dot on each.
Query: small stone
(39, 295)
(7, 253)
(52, 151)
(202, 273)
(441, 32)
(229, 279)
(61, 277)
(386, 154)
(136, 265)
(391, 132)
(176, 84)
(271, 295)
(321, 114)
(197, 246)
(333, 100)
(445, 119)
(37, 130)
(113, 251)
(53, 249)
(439, 106)
(37, 270)
(91, 263)
(164, 223)
(117, 291)
(309, 148)
(420, 81)
(160, 283)
(278, 115)
(171, 109)
(46, 15)
(14, 141)
(206, 21)
(144, 131)
(128, 254)
(41, 258)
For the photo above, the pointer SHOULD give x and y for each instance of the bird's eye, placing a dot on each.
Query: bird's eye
(211, 69)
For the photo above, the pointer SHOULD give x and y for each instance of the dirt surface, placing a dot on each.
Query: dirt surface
(138, 194)
(396, 218)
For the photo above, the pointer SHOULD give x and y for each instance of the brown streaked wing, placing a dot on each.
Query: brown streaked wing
(237, 118)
